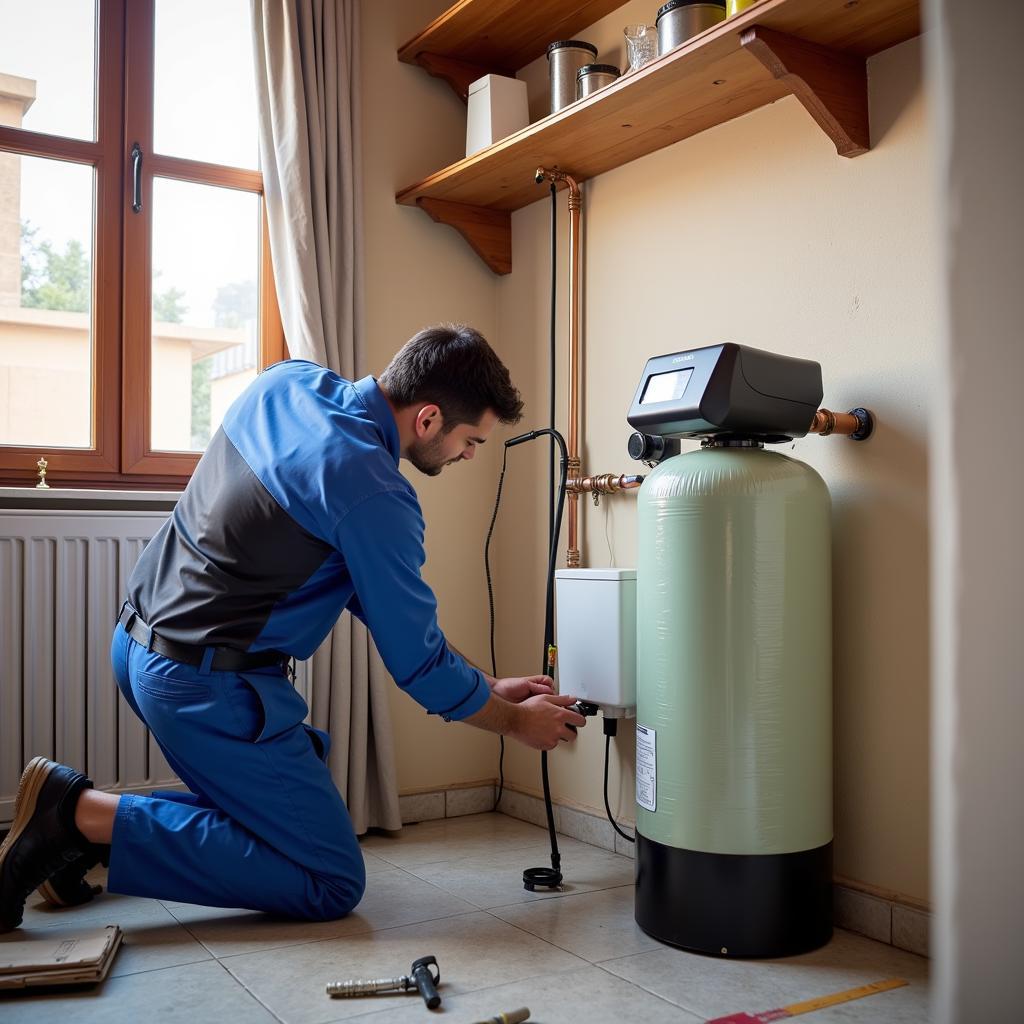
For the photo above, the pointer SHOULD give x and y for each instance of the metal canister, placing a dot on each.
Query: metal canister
(592, 77)
(735, 6)
(565, 58)
(679, 20)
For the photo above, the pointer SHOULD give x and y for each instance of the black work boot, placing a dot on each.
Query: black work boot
(67, 886)
(43, 837)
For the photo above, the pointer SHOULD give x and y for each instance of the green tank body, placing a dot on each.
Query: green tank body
(734, 663)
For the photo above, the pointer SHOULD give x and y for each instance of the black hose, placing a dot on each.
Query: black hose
(550, 877)
(610, 726)
(490, 605)
(542, 876)
(551, 359)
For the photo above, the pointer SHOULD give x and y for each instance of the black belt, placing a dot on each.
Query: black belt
(225, 659)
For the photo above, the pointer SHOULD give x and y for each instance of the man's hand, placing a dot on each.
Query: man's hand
(517, 688)
(541, 721)
(546, 721)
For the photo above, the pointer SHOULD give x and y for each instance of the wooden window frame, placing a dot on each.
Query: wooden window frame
(122, 455)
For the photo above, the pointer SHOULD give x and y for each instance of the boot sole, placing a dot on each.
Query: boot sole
(36, 772)
(51, 896)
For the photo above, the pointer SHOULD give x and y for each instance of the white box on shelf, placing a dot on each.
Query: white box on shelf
(497, 107)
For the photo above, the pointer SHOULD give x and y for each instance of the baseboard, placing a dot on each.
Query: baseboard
(446, 803)
(883, 918)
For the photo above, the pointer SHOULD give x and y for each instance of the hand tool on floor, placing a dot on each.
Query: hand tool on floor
(819, 1003)
(420, 977)
(512, 1017)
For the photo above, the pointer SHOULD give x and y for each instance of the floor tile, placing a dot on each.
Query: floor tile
(106, 908)
(496, 880)
(194, 994)
(153, 939)
(375, 865)
(393, 897)
(471, 835)
(593, 925)
(473, 952)
(713, 987)
(589, 995)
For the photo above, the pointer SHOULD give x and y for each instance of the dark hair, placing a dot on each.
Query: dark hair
(453, 367)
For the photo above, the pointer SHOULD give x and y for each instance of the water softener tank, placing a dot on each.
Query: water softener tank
(734, 696)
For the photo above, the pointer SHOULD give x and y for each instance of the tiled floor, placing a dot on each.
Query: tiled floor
(452, 888)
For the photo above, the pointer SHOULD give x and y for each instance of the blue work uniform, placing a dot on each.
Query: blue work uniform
(296, 511)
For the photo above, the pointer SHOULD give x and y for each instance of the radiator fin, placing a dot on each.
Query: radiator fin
(62, 579)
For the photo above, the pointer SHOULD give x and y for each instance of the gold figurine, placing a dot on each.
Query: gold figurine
(42, 464)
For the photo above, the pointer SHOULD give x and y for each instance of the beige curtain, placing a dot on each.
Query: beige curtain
(307, 81)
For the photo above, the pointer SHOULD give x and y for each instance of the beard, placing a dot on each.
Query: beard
(426, 456)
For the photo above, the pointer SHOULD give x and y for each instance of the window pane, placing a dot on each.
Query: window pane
(206, 260)
(204, 97)
(46, 247)
(48, 66)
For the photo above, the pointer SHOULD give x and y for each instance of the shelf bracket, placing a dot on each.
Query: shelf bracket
(459, 74)
(832, 86)
(489, 232)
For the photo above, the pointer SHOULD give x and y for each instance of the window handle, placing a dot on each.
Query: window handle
(136, 178)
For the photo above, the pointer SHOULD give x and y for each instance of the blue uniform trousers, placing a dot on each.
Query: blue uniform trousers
(264, 827)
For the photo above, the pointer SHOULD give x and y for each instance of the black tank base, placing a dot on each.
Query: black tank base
(733, 905)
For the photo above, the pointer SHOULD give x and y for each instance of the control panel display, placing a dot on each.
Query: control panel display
(666, 387)
(725, 391)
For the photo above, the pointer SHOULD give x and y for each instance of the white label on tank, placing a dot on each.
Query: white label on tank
(646, 768)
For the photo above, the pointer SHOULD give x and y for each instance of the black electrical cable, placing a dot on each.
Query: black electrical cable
(490, 604)
(548, 877)
(610, 728)
(542, 876)
(532, 877)
(551, 357)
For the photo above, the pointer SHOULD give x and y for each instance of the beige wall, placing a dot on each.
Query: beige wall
(758, 232)
(418, 273)
(754, 232)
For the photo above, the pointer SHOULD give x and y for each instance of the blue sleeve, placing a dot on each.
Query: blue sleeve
(381, 540)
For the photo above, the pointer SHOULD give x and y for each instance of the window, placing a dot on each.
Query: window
(136, 296)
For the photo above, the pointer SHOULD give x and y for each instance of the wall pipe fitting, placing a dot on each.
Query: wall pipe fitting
(606, 483)
(857, 424)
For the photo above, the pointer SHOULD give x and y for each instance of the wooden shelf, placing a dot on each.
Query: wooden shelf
(813, 49)
(500, 36)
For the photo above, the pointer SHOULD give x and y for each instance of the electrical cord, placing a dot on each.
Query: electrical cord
(611, 727)
(532, 877)
(551, 357)
(490, 604)
(548, 877)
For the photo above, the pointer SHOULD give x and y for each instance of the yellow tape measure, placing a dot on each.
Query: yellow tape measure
(844, 997)
(809, 1005)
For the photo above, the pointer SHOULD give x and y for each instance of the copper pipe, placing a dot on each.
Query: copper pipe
(606, 483)
(856, 424)
(572, 559)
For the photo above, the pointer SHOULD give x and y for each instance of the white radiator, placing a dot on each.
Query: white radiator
(62, 581)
